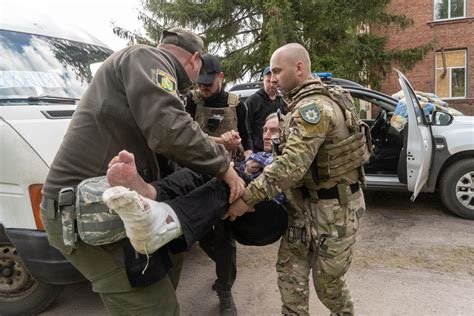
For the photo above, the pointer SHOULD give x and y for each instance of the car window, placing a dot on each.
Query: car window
(418, 109)
(33, 66)
(366, 104)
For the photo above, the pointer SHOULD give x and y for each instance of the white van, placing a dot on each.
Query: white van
(44, 70)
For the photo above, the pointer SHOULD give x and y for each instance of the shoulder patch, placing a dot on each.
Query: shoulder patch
(166, 82)
(310, 113)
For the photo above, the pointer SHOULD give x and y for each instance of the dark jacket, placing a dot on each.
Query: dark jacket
(133, 104)
(219, 101)
(259, 107)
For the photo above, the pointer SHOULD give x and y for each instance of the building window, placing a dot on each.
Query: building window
(451, 74)
(449, 9)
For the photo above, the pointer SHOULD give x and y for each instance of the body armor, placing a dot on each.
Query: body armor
(216, 121)
(339, 156)
(336, 157)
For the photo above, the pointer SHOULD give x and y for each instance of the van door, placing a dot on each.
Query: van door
(419, 144)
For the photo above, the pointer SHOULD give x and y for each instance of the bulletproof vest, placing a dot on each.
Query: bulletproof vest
(216, 121)
(337, 157)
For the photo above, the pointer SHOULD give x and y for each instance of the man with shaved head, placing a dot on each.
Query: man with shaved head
(324, 145)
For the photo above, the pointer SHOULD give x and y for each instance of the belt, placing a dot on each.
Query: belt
(326, 194)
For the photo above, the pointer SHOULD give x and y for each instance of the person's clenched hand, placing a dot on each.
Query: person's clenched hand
(231, 140)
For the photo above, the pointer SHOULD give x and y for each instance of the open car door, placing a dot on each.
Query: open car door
(420, 141)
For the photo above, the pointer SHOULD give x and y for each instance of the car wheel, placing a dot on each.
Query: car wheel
(457, 188)
(20, 294)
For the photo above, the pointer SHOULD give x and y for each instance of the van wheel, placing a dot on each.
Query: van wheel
(457, 188)
(19, 292)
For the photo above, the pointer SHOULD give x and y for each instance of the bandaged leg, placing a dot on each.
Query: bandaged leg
(149, 224)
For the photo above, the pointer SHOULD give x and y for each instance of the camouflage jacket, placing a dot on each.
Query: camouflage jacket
(313, 118)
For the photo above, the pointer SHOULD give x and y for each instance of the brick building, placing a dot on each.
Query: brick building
(447, 70)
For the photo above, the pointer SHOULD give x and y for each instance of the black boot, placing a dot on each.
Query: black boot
(226, 303)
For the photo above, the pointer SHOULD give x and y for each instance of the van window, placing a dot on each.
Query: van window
(34, 65)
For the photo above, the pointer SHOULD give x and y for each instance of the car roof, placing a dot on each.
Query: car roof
(247, 86)
(38, 24)
(244, 90)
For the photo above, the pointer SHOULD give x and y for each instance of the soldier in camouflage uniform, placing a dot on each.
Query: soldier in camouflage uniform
(323, 147)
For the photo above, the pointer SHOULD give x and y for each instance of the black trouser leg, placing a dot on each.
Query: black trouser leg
(179, 183)
(207, 243)
(225, 257)
(197, 203)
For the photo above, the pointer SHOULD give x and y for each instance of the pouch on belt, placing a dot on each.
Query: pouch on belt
(96, 223)
(66, 201)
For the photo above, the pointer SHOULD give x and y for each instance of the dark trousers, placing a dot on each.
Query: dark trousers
(199, 201)
(207, 197)
(219, 245)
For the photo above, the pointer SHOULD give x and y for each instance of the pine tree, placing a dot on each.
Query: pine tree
(339, 34)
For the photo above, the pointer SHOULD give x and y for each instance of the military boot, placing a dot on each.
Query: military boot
(226, 303)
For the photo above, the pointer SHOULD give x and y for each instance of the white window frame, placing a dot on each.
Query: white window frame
(450, 76)
(449, 11)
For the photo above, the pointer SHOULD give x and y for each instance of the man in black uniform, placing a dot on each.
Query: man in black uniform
(133, 104)
(260, 105)
(217, 112)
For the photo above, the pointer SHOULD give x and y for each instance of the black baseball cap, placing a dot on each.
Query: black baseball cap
(183, 38)
(212, 66)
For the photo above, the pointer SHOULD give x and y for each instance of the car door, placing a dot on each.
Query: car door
(419, 144)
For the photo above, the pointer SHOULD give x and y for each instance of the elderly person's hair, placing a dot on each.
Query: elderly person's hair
(271, 116)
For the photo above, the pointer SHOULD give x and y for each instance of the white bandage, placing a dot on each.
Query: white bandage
(144, 219)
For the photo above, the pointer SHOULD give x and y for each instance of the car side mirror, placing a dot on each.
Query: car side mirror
(439, 118)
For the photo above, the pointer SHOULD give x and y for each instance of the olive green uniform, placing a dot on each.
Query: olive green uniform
(132, 103)
(324, 201)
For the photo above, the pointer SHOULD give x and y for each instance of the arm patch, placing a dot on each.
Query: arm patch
(310, 113)
(166, 82)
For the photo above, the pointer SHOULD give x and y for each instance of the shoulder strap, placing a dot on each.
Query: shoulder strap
(232, 100)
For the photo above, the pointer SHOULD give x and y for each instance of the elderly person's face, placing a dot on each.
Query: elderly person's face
(270, 129)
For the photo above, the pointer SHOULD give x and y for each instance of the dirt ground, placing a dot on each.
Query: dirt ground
(410, 259)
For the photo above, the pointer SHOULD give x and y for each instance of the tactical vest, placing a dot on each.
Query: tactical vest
(337, 157)
(216, 121)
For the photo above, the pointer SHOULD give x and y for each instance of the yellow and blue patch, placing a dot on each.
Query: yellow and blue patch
(310, 113)
(166, 82)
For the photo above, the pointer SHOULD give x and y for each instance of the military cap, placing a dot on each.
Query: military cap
(183, 38)
(212, 66)
(262, 227)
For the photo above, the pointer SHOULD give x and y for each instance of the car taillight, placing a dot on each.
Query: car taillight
(35, 198)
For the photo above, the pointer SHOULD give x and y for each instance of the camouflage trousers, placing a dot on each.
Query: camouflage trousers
(319, 239)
